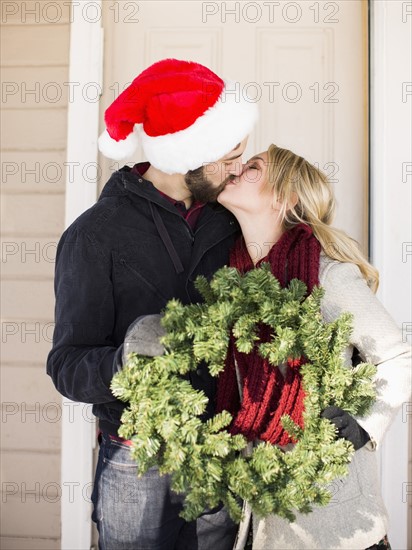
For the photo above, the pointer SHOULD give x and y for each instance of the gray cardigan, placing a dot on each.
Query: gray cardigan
(356, 517)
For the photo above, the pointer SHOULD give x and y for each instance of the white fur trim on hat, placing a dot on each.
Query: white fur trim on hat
(208, 139)
(119, 150)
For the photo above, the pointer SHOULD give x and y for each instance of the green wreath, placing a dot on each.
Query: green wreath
(204, 460)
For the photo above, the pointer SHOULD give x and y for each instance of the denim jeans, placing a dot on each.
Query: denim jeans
(135, 513)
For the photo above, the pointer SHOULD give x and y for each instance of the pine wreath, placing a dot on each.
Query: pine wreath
(204, 460)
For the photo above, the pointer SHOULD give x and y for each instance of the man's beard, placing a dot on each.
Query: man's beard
(202, 189)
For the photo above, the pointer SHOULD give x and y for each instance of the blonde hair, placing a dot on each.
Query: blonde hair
(307, 197)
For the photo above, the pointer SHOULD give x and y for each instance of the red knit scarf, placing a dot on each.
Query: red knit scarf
(267, 395)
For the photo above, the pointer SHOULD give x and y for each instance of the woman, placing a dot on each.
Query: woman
(285, 206)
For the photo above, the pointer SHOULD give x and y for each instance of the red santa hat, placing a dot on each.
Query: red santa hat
(183, 114)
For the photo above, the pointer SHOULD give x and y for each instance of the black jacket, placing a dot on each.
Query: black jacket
(125, 257)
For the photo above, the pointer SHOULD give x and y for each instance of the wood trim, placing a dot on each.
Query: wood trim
(366, 122)
(78, 427)
(390, 142)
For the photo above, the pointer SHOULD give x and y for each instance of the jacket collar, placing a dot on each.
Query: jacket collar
(214, 225)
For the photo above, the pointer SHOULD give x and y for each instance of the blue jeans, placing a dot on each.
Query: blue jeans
(134, 513)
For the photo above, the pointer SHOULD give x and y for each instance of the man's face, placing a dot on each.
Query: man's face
(206, 182)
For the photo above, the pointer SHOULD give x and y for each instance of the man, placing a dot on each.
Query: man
(144, 242)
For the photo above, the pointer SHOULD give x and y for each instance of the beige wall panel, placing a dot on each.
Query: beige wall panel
(33, 469)
(21, 346)
(34, 129)
(46, 82)
(31, 427)
(27, 383)
(39, 519)
(32, 215)
(35, 66)
(35, 172)
(29, 543)
(25, 257)
(35, 45)
(36, 11)
(23, 300)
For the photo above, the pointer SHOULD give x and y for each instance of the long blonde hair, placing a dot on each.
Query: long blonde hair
(307, 196)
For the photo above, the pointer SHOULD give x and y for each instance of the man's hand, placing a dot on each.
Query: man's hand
(347, 426)
(142, 337)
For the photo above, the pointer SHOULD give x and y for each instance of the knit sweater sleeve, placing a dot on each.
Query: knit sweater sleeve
(375, 335)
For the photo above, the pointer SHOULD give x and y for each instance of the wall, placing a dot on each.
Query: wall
(35, 68)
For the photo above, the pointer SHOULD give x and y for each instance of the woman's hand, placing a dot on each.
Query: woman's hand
(347, 426)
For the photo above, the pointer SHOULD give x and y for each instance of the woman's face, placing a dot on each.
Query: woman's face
(245, 192)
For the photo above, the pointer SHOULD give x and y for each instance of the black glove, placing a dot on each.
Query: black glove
(142, 337)
(347, 426)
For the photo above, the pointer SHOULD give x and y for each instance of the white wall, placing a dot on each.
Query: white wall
(391, 205)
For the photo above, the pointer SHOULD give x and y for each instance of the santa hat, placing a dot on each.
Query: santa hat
(183, 114)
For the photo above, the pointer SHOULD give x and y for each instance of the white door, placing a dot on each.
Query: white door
(304, 62)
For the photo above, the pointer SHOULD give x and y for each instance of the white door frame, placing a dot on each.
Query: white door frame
(78, 426)
(390, 232)
(389, 142)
